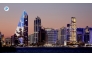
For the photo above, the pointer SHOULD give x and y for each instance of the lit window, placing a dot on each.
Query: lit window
(26, 20)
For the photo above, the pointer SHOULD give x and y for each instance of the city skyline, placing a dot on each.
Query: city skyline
(53, 15)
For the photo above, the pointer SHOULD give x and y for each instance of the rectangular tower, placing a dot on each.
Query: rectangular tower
(37, 28)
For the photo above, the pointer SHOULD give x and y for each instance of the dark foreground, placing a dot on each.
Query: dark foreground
(46, 50)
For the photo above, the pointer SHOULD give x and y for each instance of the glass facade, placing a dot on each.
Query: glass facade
(23, 25)
(37, 28)
(52, 35)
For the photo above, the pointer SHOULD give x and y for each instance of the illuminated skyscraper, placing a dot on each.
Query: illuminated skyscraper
(22, 28)
(73, 29)
(37, 28)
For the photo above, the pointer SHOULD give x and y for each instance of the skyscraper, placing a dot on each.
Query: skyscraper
(25, 33)
(73, 30)
(22, 28)
(37, 28)
(86, 35)
(68, 32)
(80, 34)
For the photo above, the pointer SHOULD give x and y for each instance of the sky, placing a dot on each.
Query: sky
(53, 15)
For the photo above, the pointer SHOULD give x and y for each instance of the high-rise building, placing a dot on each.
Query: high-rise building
(52, 35)
(87, 35)
(73, 30)
(80, 34)
(25, 33)
(22, 28)
(68, 32)
(62, 35)
(37, 28)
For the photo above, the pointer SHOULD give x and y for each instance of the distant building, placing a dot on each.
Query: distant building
(90, 42)
(42, 37)
(68, 32)
(8, 41)
(73, 30)
(62, 35)
(37, 28)
(52, 35)
(80, 34)
(22, 28)
(31, 38)
(87, 35)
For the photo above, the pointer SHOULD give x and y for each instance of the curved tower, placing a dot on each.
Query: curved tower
(73, 29)
(22, 28)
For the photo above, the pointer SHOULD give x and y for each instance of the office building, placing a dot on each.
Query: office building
(80, 34)
(62, 35)
(42, 37)
(37, 28)
(25, 33)
(73, 30)
(87, 35)
(22, 28)
(52, 35)
(68, 32)
(31, 38)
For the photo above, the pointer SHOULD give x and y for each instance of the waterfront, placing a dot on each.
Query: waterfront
(47, 50)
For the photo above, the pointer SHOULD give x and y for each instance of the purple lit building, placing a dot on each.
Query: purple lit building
(52, 35)
(80, 34)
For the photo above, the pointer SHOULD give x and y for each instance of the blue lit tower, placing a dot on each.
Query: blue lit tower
(22, 28)
(37, 28)
(25, 33)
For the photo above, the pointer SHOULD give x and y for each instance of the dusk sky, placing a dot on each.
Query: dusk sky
(53, 15)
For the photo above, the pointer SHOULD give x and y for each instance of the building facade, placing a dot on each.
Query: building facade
(87, 35)
(73, 30)
(42, 37)
(68, 32)
(80, 34)
(90, 42)
(62, 35)
(31, 38)
(22, 28)
(52, 35)
(37, 28)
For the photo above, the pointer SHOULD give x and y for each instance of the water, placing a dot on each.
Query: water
(49, 50)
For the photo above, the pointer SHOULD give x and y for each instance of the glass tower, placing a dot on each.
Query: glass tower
(37, 28)
(22, 28)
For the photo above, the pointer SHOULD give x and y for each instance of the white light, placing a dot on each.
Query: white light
(6, 8)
